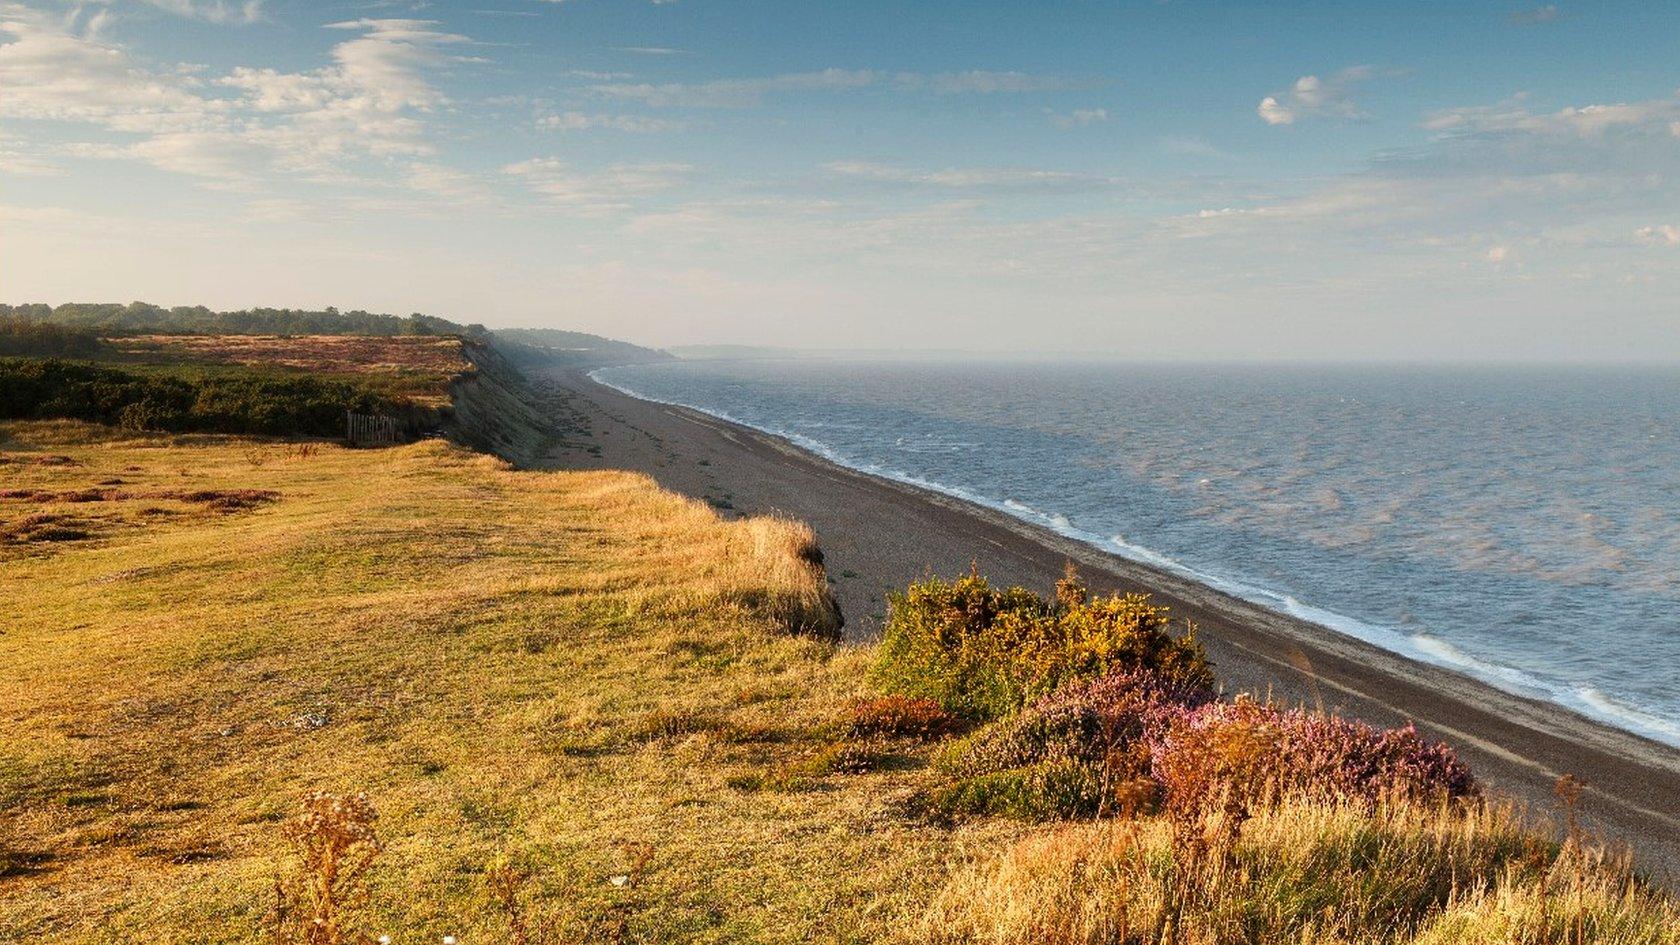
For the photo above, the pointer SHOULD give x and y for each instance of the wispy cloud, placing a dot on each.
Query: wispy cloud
(967, 178)
(1078, 118)
(598, 193)
(244, 125)
(747, 92)
(1664, 234)
(736, 93)
(212, 11)
(584, 121)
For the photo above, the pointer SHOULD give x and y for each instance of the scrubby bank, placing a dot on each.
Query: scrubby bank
(185, 399)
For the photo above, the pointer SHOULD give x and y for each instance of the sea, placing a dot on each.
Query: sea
(1518, 524)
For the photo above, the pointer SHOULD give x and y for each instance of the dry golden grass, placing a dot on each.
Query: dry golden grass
(1305, 872)
(567, 671)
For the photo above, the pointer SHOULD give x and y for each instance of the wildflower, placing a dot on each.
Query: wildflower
(620, 880)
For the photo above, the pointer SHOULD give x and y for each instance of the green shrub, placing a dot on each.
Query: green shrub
(1052, 790)
(982, 653)
(844, 756)
(236, 400)
(20, 336)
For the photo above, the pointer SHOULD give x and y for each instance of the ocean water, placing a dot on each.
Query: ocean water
(1520, 525)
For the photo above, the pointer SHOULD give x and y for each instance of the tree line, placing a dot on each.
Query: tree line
(143, 317)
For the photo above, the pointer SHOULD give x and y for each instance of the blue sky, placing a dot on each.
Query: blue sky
(1154, 179)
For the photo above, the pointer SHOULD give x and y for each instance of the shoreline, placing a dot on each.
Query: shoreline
(879, 533)
(1613, 715)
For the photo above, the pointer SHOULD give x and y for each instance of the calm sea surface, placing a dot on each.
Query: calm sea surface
(1521, 525)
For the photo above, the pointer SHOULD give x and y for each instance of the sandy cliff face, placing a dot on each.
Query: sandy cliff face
(494, 409)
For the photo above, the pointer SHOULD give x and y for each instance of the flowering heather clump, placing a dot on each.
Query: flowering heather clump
(1236, 751)
(1106, 729)
(900, 716)
(1137, 736)
(982, 653)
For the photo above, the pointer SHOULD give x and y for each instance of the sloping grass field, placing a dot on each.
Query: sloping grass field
(262, 691)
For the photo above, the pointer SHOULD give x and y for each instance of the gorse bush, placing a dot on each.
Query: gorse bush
(982, 652)
(182, 400)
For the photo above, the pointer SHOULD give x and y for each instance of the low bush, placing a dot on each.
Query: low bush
(982, 653)
(1050, 790)
(1141, 739)
(843, 756)
(1108, 729)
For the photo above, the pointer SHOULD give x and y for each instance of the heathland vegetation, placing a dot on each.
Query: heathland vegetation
(52, 365)
(570, 707)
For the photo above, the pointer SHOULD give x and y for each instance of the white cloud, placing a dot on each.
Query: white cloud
(1664, 234)
(1275, 113)
(1195, 147)
(370, 101)
(979, 81)
(1312, 96)
(1587, 121)
(51, 71)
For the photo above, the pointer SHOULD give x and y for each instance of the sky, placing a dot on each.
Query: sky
(1266, 180)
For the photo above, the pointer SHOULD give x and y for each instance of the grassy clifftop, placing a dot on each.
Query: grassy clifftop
(244, 678)
(568, 669)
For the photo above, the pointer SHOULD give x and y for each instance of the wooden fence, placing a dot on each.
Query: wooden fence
(363, 429)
